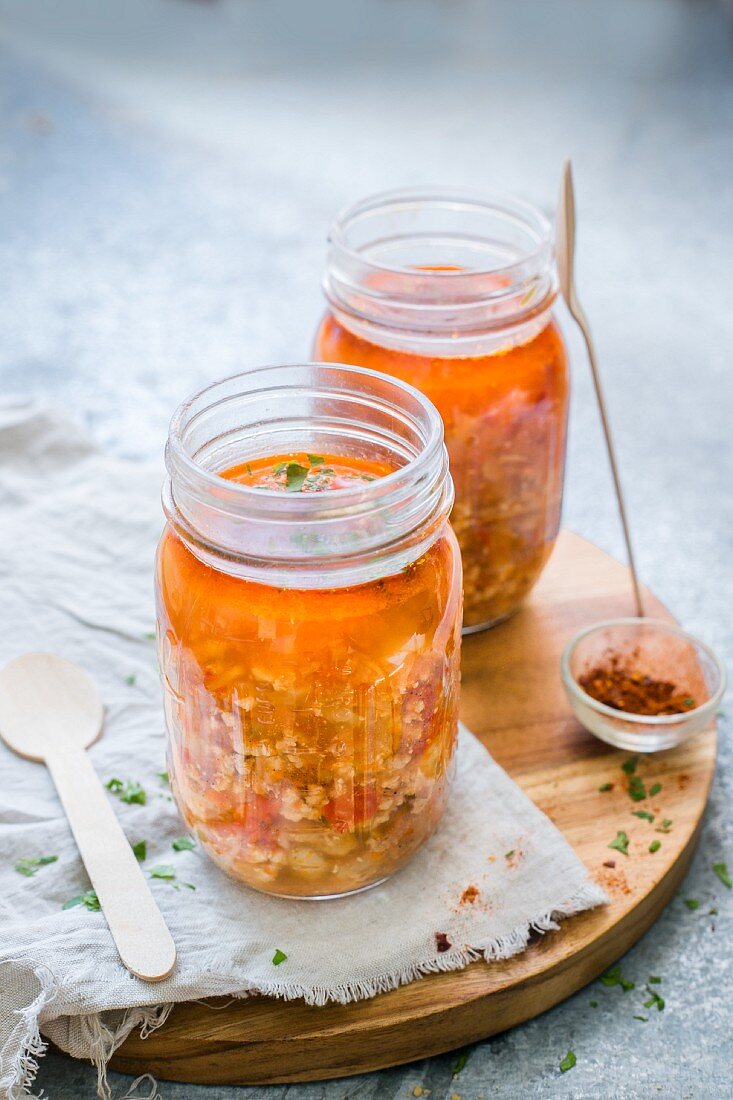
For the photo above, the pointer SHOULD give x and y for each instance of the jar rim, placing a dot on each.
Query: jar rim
(337, 537)
(178, 456)
(496, 201)
(439, 271)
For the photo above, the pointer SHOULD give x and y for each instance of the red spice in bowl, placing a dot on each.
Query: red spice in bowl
(617, 683)
(641, 684)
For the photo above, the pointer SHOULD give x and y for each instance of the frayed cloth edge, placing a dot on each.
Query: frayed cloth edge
(18, 1077)
(103, 1041)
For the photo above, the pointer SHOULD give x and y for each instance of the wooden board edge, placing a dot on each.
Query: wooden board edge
(440, 1032)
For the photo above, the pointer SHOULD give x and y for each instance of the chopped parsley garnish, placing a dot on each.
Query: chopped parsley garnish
(688, 702)
(621, 843)
(278, 957)
(594, 1004)
(128, 791)
(615, 977)
(637, 790)
(665, 826)
(654, 979)
(644, 1019)
(28, 867)
(643, 814)
(655, 846)
(295, 476)
(460, 1062)
(316, 460)
(130, 680)
(248, 468)
(509, 854)
(163, 777)
(654, 789)
(184, 844)
(167, 873)
(721, 870)
(568, 1062)
(606, 787)
(629, 766)
(655, 1001)
(89, 900)
(692, 904)
(140, 850)
(164, 871)
(150, 635)
(280, 468)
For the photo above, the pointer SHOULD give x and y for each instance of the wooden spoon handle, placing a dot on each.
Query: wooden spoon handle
(135, 921)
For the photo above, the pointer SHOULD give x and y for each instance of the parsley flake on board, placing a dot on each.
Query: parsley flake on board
(721, 870)
(150, 635)
(163, 777)
(128, 791)
(654, 979)
(278, 957)
(637, 790)
(654, 789)
(594, 1004)
(644, 1019)
(509, 854)
(131, 679)
(568, 1062)
(28, 867)
(184, 844)
(140, 850)
(89, 900)
(655, 846)
(295, 476)
(692, 904)
(643, 814)
(621, 843)
(629, 766)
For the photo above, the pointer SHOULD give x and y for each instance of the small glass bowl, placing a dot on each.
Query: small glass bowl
(656, 649)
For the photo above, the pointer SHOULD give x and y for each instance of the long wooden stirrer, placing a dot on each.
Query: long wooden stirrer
(565, 251)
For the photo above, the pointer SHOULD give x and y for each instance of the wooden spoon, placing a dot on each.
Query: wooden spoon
(565, 253)
(50, 711)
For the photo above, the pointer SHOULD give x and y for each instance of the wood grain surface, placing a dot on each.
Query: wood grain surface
(514, 701)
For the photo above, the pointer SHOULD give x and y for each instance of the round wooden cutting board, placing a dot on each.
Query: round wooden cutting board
(514, 702)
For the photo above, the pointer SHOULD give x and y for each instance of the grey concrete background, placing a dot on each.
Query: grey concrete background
(168, 170)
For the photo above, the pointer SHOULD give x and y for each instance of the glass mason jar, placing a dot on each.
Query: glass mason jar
(453, 293)
(309, 640)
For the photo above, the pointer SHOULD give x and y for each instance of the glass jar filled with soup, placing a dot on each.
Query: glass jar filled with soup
(309, 620)
(454, 294)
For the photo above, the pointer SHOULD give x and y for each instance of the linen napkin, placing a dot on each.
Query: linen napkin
(79, 530)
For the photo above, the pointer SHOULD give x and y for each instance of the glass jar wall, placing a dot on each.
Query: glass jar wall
(454, 293)
(309, 610)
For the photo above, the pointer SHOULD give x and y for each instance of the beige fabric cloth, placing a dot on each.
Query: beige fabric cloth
(78, 536)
